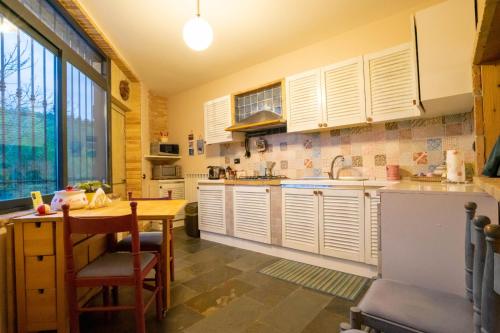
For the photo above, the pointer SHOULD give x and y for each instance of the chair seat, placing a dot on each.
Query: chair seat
(150, 241)
(417, 308)
(118, 264)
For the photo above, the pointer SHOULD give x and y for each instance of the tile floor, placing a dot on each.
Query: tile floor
(218, 289)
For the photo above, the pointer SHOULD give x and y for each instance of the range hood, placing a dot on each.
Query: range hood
(259, 121)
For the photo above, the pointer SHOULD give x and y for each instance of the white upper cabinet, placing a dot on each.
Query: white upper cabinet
(217, 119)
(300, 219)
(344, 93)
(341, 230)
(445, 37)
(304, 107)
(391, 84)
(252, 213)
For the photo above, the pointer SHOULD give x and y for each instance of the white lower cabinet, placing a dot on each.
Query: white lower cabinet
(331, 222)
(372, 225)
(341, 224)
(300, 219)
(252, 213)
(212, 208)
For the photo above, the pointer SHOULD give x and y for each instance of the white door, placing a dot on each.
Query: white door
(344, 93)
(300, 219)
(372, 213)
(118, 152)
(217, 119)
(341, 220)
(252, 211)
(211, 208)
(303, 101)
(391, 84)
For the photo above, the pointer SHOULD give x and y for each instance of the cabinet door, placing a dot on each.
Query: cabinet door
(344, 93)
(372, 213)
(300, 219)
(217, 119)
(251, 207)
(303, 94)
(341, 220)
(211, 208)
(391, 84)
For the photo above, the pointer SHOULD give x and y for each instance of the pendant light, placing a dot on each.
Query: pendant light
(197, 33)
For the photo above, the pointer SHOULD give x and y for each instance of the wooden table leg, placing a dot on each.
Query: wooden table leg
(166, 263)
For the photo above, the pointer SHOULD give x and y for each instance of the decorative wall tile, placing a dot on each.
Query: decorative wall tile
(308, 163)
(283, 146)
(335, 132)
(405, 134)
(454, 129)
(357, 161)
(308, 144)
(227, 160)
(420, 157)
(391, 126)
(404, 124)
(345, 131)
(317, 172)
(283, 165)
(434, 144)
(380, 160)
(269, 147)
(345, 140)
(417, 123)
(316, 152)
(455, 118)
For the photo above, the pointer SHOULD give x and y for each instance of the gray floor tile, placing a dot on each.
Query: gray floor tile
(258, 327)
(212, 279)
(296, 311)
(250, 261)
(180, 294)
(236, 318)
(325, 321)
(179, 318)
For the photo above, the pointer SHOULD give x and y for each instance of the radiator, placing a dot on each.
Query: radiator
(191, 185)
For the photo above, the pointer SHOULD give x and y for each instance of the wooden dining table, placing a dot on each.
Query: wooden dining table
(163, 210)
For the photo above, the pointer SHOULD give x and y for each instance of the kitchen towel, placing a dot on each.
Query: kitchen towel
(492, 166)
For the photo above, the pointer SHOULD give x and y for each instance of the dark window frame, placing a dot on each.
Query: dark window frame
(21, 16)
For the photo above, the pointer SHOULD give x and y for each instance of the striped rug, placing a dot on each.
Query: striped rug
(326, 280)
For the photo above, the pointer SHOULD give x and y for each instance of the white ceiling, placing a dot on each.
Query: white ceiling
(148, 33)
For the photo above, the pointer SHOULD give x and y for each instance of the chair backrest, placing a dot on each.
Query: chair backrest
(479, 222)
(490, 302)
(169, 197)
(470, 211)
(99, 225)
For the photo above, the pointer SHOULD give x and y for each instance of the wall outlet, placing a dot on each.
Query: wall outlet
(236, 161)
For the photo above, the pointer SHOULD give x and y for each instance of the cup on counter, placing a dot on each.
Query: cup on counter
(392, 172)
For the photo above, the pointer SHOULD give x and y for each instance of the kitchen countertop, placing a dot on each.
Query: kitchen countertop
(426, 187)
(489, 185)
(313, 182)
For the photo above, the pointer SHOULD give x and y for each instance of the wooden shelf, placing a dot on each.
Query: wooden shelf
(162, 158)
(487, 44)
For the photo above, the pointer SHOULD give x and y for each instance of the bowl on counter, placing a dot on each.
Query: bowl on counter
(76, 199)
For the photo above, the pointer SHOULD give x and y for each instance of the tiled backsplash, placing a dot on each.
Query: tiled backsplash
(367, 149)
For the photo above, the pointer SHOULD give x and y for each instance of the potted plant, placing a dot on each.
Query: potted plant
(91, 187)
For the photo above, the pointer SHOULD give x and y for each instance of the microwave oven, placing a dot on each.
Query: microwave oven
(159, 148)
(166, 172)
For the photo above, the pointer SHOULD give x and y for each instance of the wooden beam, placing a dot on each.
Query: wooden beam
(487, 43)
(98, 37)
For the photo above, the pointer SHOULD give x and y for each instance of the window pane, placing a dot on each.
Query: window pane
(86, 128)
(52, 19)
(28, 102)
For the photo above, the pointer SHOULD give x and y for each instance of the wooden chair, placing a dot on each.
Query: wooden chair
(111, 269)
(490, 301)
(151, 240)
(392, 306)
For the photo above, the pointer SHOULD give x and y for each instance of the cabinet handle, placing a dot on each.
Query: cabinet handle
(267, 190)
(315, 192)
(367, 194)
(197, 187)
(369, 119)
(320, 125)
(320, 192)
(325, 125)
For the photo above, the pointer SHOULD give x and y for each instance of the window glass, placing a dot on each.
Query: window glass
(86, 128)
(28, 114)
(52, 19)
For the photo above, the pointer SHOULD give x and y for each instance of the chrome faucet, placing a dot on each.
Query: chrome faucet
(330, 174)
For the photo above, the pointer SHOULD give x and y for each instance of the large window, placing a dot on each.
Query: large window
(53, 103)
(86, 128)
(28, 133)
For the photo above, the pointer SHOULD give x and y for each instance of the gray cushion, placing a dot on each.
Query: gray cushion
(114, 264)
(150, 241)
(417, 308)
(354, 331)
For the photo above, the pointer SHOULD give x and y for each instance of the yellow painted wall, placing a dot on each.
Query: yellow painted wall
(186, 108)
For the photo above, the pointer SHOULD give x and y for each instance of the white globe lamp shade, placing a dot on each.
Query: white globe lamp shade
(197, 34)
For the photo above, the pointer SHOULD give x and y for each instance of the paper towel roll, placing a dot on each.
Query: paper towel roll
(455, 166)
